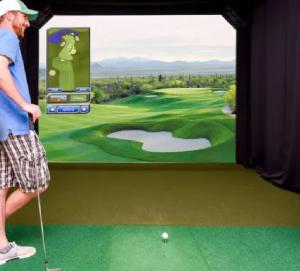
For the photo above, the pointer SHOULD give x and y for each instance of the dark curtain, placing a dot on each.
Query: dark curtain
(30, 49)
(269, 107)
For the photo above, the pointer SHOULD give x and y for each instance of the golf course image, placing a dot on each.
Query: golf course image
(185, 113)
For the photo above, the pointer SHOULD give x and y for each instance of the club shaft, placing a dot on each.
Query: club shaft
(33, 146)
(42, 231)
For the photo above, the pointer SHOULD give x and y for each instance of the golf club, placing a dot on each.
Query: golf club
(34, 152)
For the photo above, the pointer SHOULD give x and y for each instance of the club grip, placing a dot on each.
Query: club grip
(31, 125)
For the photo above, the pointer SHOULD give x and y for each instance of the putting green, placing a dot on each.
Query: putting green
(186, 113)
(136, 248)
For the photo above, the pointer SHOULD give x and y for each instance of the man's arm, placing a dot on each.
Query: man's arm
(7, 85)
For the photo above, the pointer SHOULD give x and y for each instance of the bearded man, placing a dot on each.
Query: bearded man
(17, 166)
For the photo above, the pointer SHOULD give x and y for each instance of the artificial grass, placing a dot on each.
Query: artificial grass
(136, 248)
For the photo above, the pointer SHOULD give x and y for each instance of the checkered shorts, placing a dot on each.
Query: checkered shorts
(20, 166)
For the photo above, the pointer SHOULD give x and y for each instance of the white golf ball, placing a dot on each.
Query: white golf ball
(52, 72)
(165, 236)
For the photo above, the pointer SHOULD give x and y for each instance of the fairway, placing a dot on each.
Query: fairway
(187, 113)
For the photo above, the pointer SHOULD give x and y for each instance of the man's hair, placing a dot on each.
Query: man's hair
(3, 16)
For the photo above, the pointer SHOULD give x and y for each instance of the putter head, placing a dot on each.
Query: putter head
(54, 269)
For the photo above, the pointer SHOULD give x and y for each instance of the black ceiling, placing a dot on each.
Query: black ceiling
(237, 12)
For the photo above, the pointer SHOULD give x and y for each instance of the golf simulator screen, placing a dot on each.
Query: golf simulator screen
(138, 89)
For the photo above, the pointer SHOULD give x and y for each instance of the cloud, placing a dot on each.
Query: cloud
(163, 37)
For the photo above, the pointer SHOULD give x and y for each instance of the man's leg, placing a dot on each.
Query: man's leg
(17, 200)
(18, 150)
(16, 171)
(10, 250)
(3, 238)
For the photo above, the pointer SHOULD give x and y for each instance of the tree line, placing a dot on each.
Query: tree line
(107, 89)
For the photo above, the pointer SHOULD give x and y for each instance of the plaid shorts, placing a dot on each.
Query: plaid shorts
(20, 166)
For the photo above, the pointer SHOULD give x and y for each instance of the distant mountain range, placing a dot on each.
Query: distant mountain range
(144, 67)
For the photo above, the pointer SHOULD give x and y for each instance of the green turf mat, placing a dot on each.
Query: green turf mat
(137, 248)
(249, 249)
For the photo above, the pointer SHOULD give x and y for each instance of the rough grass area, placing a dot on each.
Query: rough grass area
(186, 113)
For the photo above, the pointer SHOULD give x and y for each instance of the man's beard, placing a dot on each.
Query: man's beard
(19, 29)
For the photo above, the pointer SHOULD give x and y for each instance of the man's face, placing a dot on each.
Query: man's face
(20, 23)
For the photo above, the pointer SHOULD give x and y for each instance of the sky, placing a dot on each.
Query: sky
(165, 38)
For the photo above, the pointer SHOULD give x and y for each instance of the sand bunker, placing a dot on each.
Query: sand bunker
(151, 96)
(162, 141)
